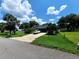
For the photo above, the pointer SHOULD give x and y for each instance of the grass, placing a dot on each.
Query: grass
(18, 34)
(72, 36)
(56, 41)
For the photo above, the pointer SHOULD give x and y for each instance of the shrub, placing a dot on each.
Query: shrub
(2, 30)
(8, 35)
(28, 31)
(52, 29)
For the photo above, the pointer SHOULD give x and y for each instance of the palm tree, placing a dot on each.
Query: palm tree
(11, 22)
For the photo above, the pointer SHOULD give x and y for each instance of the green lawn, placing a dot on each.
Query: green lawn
(18, 34)
(72, 36)
(56, 41)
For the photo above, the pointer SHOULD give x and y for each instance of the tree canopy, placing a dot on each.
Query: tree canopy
(11, 22)
(70, 22)
(9, 17)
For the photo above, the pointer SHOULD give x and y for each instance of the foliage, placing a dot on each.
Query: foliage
(33, 23)
(28, 27)
(24, 26)
(1, 26)
(11, 23)
(8, 17)
(51, 29)
(70, 22)
(28, 30)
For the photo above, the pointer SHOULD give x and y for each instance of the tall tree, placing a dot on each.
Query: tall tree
(33, 23)
(1, 26)
(62, 22)
(51, 29)
(11, 22)
(70, 22)
(24, 26)
(8, 17)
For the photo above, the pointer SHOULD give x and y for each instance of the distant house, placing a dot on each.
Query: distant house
(42, 28)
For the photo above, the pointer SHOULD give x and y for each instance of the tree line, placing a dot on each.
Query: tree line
(66, 23)
(69, 22)
(11, 22)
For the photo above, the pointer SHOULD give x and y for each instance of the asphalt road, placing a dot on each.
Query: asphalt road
(12, 49)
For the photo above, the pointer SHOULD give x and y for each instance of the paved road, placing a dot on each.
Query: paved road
(28, 38)
(12, 49)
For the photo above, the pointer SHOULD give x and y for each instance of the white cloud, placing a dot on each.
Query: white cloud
(63, 7)
(39, 20)
(51, 20)
(54, 20)
(19, 8)
(24, 19)
(52, 10)
(58, 17)
(1, 21)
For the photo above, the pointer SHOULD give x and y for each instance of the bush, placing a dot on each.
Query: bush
(52, 29)
(2, 30)
(52, 32)
(8, 35)
(28, 31)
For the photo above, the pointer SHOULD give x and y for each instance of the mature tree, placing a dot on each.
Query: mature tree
(24, 26)
(51, 29)
(33, 23)
(11, 22)
(70, 22)
(1, 26)
(8, 17)
(62, 22)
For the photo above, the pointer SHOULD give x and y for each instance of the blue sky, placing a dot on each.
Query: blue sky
(41, 11)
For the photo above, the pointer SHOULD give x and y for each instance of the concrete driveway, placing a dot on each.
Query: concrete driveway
(12, 49)
(28, 38)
